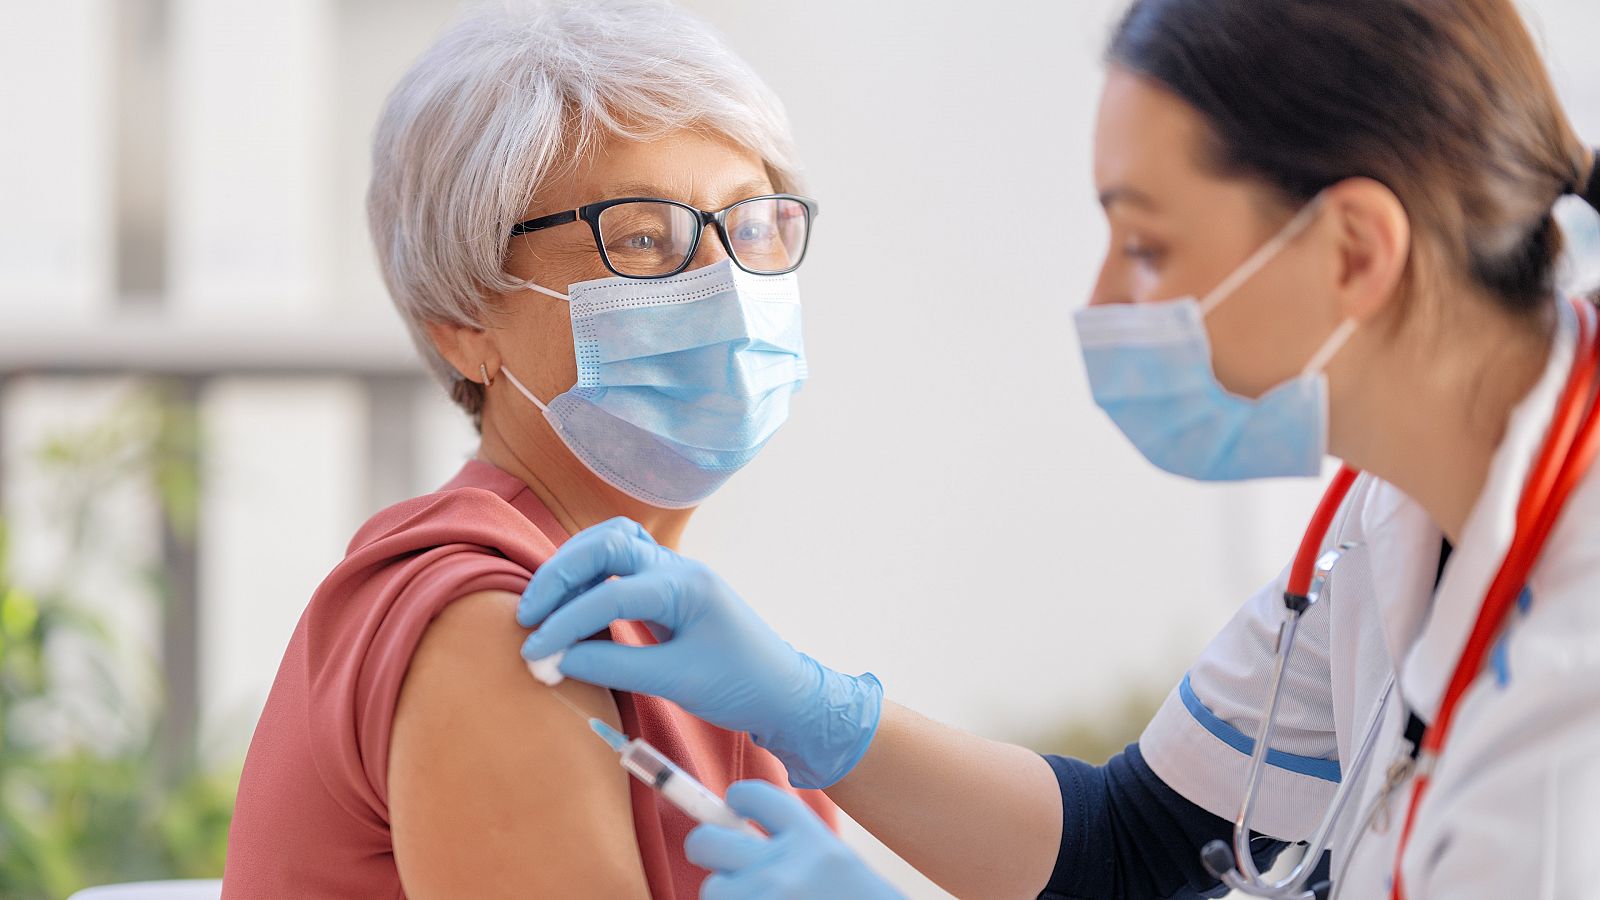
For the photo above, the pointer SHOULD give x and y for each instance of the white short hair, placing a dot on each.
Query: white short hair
(516, 93)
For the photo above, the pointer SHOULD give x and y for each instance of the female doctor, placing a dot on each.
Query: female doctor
(1353, 200)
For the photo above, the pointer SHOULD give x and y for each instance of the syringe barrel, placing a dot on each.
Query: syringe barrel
(681, 790)
(646, 763)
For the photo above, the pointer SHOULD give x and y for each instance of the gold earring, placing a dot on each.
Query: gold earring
(483, 370)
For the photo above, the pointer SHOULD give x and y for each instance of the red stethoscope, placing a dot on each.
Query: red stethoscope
(1569, 448)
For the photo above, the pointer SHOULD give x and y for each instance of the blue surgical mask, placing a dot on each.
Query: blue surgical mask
(681, 380)
(1150, 368)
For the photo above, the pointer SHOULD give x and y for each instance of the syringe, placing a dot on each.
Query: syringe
(647, 764)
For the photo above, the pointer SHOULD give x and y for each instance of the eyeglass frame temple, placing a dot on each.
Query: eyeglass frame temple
(591, 212)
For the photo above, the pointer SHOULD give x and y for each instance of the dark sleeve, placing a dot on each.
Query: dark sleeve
(1126, 835)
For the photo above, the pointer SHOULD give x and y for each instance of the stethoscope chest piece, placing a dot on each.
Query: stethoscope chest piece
(1324, 570)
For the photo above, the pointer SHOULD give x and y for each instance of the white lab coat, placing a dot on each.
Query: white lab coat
(1514, 807)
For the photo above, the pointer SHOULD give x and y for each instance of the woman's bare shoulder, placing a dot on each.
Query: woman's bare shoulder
(496, 788)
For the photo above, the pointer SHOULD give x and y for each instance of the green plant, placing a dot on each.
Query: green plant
(1098, 738)
(89, 791)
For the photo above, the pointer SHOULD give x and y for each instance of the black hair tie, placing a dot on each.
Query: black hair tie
(1591, 191)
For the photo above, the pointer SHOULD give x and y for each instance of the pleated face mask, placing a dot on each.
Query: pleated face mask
(1151, 370)
(681, 380)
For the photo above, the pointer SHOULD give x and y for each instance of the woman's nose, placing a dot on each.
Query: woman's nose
(710, 252)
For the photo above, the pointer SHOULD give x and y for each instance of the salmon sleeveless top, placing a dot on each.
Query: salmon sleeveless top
(312, 818)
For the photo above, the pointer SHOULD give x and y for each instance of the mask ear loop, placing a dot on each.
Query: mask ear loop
(1330, 348)
(1261, 257)
(546, 291)
(523, 390)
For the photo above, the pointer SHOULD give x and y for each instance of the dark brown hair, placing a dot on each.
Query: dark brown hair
(1445, 102)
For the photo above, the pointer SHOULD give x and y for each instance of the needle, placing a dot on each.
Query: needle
(570, 705)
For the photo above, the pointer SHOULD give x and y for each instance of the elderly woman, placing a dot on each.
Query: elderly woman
(581, 211)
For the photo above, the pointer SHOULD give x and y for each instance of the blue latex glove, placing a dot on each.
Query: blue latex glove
(720, 661)
(801, 859)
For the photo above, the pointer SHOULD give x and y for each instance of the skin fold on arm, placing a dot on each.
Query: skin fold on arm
(496, 789)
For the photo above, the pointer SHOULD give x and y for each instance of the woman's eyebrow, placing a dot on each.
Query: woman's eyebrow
(638, 189)
(650, 189)
(1127, 195)
(746, 191)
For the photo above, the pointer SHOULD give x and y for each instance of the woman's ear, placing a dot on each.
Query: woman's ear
(1374, 234)
(469, 350)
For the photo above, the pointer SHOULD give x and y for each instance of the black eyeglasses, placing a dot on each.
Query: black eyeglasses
(647, 237)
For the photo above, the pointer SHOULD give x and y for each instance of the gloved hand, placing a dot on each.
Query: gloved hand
(802, 859)
(720, 662)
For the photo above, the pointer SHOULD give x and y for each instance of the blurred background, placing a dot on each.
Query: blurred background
(204, 391)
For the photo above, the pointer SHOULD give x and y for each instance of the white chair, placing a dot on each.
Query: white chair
(153, 890)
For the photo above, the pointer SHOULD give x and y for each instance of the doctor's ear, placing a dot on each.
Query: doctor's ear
(1373, 233)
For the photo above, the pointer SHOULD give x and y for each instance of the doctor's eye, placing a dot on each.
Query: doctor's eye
(1143, 253)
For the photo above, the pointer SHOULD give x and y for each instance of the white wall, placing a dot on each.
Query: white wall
(249, 214)
(952, 512)
(55, 186)
(945, 464)
(947, 508)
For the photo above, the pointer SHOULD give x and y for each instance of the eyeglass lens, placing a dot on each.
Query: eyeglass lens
(647, 238)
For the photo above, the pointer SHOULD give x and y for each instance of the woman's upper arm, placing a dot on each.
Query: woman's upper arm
(496, 789)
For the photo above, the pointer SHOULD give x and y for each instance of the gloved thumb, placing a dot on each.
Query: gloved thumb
(723, 849)
(773, 808)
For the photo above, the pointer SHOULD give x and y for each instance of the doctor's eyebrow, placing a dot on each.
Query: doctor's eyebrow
(1130, 196)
